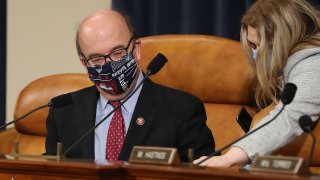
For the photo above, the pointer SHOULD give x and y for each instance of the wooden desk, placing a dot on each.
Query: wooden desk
(40, 168)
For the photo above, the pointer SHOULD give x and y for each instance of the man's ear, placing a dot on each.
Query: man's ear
(83, 63)
(137, 47)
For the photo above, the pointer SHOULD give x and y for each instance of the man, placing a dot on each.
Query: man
(153, 116)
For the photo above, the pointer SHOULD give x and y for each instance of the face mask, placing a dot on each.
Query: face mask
(254, 53)
(114, 77)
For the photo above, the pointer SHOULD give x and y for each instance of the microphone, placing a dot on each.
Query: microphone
(155, 65)
(288, 93)
(56, 102)
(286, 98)
(307, 125)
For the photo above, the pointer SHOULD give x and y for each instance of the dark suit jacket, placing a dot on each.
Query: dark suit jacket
(172, 119)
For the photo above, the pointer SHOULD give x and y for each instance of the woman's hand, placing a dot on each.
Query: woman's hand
(214, 161)
(234, 156)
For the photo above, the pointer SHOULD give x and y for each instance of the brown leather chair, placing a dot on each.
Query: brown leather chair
(211, 68)
(30, 132)
(215, 70)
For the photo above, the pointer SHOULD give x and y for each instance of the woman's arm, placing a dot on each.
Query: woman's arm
(234, 156)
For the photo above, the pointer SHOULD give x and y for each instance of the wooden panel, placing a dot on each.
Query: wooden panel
(40, 168)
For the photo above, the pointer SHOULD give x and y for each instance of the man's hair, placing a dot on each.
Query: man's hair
(128, 23)
(284, 27)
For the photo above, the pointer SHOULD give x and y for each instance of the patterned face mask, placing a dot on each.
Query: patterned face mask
(114, 77)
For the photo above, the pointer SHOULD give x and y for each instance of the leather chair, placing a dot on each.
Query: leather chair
(30, 132)
(211, 68)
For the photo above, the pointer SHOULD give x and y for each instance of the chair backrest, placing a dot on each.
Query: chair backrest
(211, 68)
(32, 129)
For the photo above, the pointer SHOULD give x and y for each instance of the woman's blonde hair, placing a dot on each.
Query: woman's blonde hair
(284, 27)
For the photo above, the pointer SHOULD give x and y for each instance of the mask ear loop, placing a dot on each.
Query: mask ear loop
(254, 53)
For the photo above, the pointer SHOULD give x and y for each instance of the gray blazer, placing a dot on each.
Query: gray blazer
(302, 69)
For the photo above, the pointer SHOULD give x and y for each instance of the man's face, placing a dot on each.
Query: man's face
(102, 34)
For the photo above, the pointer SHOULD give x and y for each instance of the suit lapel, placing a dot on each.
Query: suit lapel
(85, 115)
(146, 109)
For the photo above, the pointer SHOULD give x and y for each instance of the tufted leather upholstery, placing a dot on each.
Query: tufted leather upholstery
(211, 68)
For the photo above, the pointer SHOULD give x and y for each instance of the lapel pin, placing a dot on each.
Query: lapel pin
(140, 121)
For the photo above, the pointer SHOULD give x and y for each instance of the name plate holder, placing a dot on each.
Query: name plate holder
(280, 164)
(154, 155)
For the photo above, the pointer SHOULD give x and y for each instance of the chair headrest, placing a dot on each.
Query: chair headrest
(209, 67)
(40, 92)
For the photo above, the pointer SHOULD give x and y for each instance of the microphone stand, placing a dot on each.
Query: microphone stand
(32, 111)
(56, 102)
(307, 125)
(312, 148)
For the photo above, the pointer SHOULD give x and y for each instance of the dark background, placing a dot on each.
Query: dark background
(154, 17)
(211, 17)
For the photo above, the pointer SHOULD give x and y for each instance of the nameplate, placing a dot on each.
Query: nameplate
(154, 155)
(280, 164)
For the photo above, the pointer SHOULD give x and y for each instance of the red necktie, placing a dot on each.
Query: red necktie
(116, 134)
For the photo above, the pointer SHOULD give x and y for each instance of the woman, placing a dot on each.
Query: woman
(281, 39)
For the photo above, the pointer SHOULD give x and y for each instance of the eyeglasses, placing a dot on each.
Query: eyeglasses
(113, 56)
